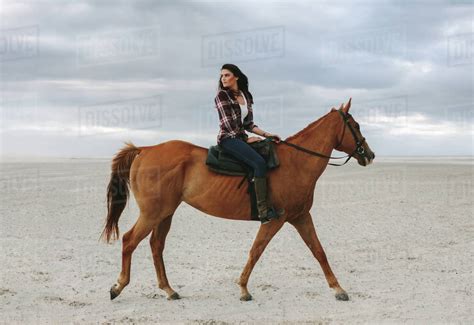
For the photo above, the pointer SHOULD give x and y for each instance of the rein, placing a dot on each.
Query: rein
(317, 154)
(359, 149)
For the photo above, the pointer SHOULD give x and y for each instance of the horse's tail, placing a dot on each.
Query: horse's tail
(117, 190)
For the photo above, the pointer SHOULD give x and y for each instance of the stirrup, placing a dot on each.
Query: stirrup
(264, 221)
(272, 213)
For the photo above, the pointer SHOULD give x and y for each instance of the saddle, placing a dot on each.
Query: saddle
(222, 162)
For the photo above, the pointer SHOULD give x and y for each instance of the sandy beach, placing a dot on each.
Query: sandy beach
(398, 235)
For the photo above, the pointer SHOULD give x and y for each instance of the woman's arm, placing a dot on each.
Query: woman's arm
(259, 131)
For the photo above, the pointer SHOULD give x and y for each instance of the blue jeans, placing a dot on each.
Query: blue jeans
(242, 151)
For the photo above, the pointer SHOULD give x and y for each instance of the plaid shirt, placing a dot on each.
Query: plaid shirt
(230, 118)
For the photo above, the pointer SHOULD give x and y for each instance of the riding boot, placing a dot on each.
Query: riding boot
(279, 211)
(266, 212)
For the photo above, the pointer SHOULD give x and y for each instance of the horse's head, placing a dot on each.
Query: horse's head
(353, 143)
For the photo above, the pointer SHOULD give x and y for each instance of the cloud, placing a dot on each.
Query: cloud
(407, 66)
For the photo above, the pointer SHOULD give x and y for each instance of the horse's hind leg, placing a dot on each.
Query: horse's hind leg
(157, 243)
(130, 241)
(304, 225)
(264, 235)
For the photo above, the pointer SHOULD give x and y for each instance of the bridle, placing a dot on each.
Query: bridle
(359, 142)
(358, 148)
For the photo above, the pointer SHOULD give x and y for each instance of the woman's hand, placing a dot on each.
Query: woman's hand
(253, 139)
(275, 136)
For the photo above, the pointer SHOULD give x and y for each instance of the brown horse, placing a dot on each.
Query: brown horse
(163, 176)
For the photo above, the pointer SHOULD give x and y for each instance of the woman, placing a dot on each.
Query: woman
(234, 105)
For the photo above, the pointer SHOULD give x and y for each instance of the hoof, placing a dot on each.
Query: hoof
(174, 296)
(342, 296)
(113, 292)
(246, 297)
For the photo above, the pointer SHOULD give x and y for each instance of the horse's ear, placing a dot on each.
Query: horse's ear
(347, 106)
(342, 106)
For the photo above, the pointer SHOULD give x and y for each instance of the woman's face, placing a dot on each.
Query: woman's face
(228, 79)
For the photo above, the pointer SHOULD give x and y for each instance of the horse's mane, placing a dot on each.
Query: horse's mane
(309, 126)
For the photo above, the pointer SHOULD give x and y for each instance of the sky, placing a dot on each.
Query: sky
(78, 78)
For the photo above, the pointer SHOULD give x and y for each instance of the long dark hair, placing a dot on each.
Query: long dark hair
(242, 82)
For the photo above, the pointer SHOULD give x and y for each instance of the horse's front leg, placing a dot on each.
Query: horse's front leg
(264, 235)
(305, 227)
